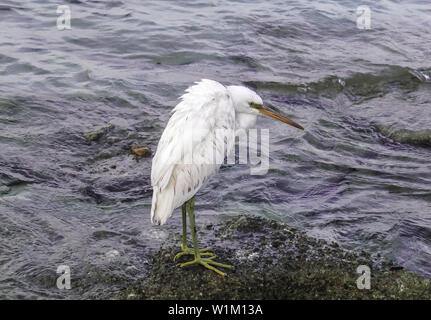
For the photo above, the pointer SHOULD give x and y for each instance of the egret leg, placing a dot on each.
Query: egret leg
(206, 262)
(185, 249)
(184, 243)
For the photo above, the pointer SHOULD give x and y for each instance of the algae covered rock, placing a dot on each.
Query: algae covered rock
(274, 261)
(98, 133)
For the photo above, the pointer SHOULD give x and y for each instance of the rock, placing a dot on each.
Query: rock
(141, 151)
(132, 270)
(300, 268)
(334, 244)
(104, 234)
(89, 191)
(4, 189)
(97, 134)
(112, 254)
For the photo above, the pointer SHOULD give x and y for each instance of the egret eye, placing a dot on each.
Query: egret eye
(254, 105)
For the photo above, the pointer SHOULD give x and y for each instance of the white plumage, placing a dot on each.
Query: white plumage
(184, 158)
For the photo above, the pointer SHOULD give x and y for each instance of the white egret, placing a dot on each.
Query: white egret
(206, 107)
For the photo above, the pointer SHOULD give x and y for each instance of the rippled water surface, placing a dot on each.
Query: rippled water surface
(360, 173)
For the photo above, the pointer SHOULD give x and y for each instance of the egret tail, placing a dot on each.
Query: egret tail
(162, 204)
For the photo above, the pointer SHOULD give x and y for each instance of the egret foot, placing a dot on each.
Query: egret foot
(188, 251)
(208, 263)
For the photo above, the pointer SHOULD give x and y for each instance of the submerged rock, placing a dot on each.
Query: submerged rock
(4, 190)
(274, 262)
(111, 254)
(97, 134)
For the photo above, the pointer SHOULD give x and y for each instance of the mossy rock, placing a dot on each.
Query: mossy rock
(296, 267)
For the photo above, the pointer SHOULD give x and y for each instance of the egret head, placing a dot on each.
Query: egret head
(248, 105)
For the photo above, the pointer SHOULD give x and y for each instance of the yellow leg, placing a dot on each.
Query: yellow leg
(206, 262)
(185, 249)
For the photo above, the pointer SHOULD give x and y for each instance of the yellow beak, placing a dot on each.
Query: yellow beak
(277, 116)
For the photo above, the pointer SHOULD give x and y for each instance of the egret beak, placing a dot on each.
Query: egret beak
(275, 115)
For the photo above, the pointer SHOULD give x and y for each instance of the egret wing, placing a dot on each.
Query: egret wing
(205, 107)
